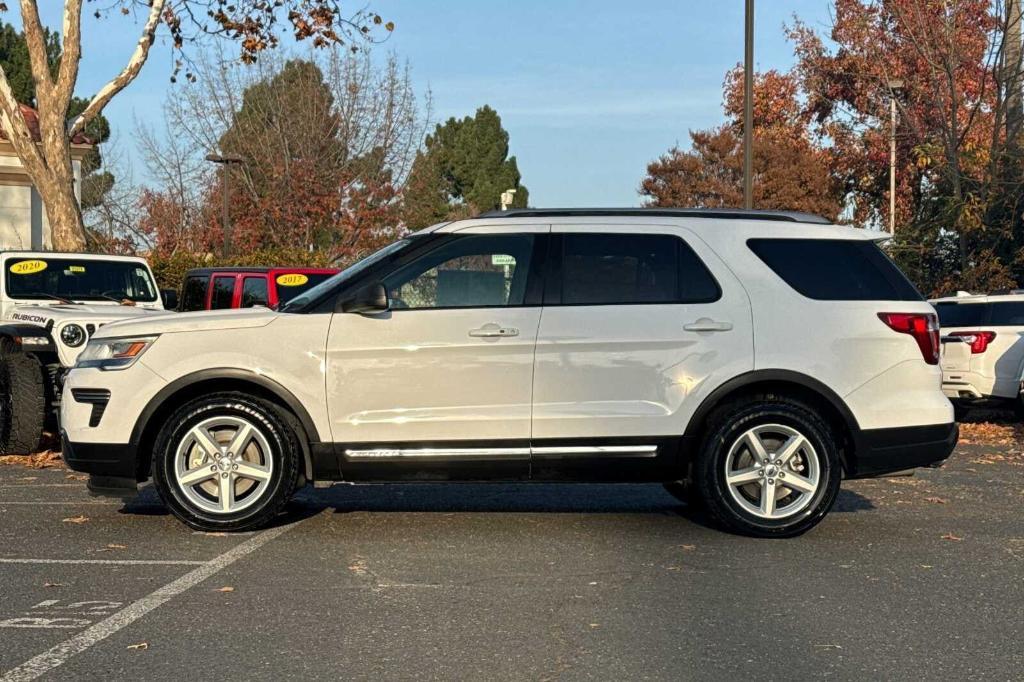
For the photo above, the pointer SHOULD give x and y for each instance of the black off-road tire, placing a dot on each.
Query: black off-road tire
(22, 402)
(729, 423)
(263, 415)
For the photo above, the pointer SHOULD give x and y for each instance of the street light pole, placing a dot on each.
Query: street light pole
(894, 86)
(224, 161)
(748, 108)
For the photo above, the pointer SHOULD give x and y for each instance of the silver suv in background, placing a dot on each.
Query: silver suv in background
(983, 348)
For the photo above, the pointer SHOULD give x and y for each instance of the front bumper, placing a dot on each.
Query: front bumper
(885, 451)
(112, 468)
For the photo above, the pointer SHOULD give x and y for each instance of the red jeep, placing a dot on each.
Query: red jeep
(215, 288)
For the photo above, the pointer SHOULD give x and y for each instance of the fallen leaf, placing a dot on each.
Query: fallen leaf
(76, 519)
(595, 625)
(53, 584)
(141, 645)
(226, 588)
(77, 477)
(116, 546)
(936, 500)
(950, 536)
(926, 566)
(688, 548)
(47, 459)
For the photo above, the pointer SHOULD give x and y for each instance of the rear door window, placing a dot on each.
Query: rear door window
(625, 269)
(223, 294)
(836, 269)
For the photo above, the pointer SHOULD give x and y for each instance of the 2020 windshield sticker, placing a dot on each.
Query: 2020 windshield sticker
(28, 267)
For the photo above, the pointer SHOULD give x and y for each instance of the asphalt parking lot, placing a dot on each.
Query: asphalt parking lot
(909, 577)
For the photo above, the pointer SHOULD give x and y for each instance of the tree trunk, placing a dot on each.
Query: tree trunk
(67, 229)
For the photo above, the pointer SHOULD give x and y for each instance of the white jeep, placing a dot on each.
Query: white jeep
(50, 304)
(748, 360)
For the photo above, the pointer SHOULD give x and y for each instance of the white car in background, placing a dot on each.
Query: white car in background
(983, 348)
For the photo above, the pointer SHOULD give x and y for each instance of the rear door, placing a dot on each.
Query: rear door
(637, 324)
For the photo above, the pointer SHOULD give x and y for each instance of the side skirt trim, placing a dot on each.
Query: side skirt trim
(480, 454)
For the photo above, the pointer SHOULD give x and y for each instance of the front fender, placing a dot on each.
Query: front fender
(28, 338)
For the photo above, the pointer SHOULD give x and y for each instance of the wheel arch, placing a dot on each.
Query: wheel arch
(206, 381)
(786, 383)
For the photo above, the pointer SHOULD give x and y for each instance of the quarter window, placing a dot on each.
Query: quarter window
(471, 271)
(254, 291)
(617, 269)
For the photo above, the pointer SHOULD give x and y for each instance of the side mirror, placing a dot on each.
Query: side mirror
(373, 298)
(170, 298)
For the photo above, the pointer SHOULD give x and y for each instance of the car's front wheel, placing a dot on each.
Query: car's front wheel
(769, 467)
(226, 462)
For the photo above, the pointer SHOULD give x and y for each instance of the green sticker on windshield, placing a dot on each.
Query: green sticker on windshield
(76, 268)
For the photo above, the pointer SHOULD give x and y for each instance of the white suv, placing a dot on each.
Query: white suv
(983, 348)
(749, 360)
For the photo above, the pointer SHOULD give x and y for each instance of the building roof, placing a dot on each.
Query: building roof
(32, 119)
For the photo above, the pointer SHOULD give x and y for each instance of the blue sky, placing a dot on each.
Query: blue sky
(590, 92)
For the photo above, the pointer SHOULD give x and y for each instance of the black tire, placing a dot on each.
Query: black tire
(727, 425)
(284, 452)
(22, 402)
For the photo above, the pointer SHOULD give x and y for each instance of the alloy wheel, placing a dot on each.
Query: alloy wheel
(772, 471)
(223, 464)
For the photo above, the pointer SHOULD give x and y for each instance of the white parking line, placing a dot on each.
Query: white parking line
(59, 654)
(116, 562)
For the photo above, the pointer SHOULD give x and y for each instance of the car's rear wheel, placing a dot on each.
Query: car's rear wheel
(226, 462)
(769, 467)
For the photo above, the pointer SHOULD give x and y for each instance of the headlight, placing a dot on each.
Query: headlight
(114, 353)
(73, 335)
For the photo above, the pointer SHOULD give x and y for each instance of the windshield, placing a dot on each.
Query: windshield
(77, 279)
(287, 289)
(299, 302)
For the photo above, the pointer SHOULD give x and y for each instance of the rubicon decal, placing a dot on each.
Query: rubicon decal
(38, 319)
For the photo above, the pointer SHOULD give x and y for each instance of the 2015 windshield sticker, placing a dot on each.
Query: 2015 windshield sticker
(292, 280)
(76, 268)
(28, 267)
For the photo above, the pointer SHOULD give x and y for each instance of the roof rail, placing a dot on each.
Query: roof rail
(721, 213)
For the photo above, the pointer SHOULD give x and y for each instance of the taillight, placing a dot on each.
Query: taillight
(978, 341)
(924, 327)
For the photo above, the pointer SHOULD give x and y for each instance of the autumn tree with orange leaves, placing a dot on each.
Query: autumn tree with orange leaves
(822, 136)
(791, 164)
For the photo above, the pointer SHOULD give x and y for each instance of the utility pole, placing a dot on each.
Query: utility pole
(748, 108)
(894, 87)
(224, 161)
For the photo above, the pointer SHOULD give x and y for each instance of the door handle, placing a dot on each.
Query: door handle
(706, 324)
(492, 330)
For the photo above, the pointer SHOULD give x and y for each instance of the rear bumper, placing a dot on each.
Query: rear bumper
(884, 451)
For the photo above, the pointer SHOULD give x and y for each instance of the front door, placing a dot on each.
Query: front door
(439, 386)
(638, 326)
